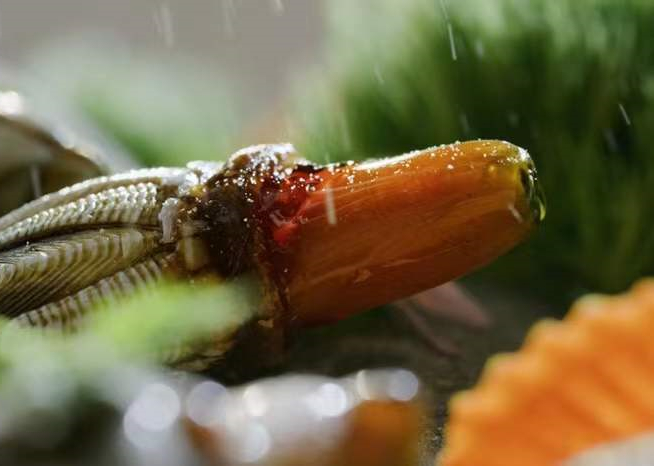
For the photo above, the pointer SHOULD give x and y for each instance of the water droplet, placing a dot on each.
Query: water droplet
(278, 6)
(35, 178)
(624, 114)
(229, 13)
(516, 214)
(330, 400)
(155, 410)
(378, 75)
(255, 401)
(444, 10)
(163, 21)
(202, 396)
(450, 34)
(330, 207)
(362, 275)
(361, 384)
(480, 50)
(465, 124)
(252, 444)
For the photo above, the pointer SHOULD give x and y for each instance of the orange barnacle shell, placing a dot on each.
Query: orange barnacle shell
(579, 392)
(358, 235)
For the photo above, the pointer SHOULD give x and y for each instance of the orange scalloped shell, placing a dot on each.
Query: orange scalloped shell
(574, 385)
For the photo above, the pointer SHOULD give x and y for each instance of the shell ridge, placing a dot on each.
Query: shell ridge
(158, 176)
(70, 263)
(67, 313)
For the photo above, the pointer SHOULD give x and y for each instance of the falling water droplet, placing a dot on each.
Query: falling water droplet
(330, 207)
(345, 133)
(480, 50)
(155, 410)
(163, 21)
(278, 6)
(403, 385)
(516, 214)
(253, 443)
(465, 124)
(450, 34)
(444, 10)
(624, 114)
(378, 75)
(229, 12)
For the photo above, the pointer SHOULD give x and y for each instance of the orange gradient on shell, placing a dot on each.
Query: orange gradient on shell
(373, 232)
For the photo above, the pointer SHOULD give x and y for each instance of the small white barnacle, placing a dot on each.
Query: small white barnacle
(168, 218)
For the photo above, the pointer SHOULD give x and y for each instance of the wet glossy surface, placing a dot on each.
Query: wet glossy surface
(353, 236)
(326, 242)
